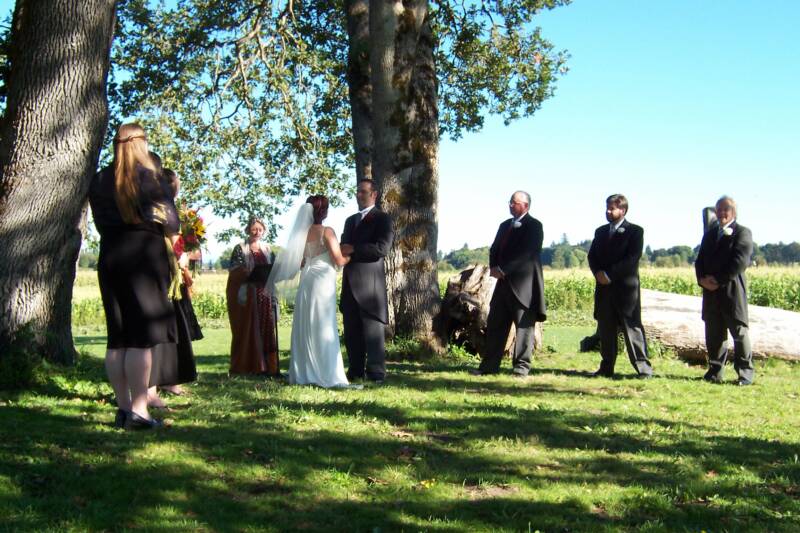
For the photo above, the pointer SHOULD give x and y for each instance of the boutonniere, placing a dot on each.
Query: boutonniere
(727, 231)
(620, 230)
(516, 224)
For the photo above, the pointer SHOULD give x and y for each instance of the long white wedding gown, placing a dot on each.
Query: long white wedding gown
(316, 355)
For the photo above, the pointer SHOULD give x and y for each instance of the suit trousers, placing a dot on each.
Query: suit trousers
(610, 321)
(718, 323)
(364, 338)
(504, 310)
(635, 344)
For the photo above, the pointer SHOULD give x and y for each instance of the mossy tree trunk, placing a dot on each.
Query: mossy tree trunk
(50, 140)
(359, 84)
(405, 159)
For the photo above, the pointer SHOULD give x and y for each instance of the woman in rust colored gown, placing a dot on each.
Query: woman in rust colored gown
(251, 310)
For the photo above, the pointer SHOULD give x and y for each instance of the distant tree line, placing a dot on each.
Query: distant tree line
(557, 255)
(566, 255)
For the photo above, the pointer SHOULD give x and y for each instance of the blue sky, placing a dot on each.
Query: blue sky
(672, 103)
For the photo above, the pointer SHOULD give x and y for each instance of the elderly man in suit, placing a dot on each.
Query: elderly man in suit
(519, 292)
(366, 239)
(614, 260)
(723, 257)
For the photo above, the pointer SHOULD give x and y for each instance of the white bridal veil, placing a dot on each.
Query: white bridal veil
(288, 262)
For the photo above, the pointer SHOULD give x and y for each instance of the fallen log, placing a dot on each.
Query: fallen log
(674, 320)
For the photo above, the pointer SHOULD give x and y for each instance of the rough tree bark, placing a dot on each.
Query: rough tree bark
(50, 140)
(405, 159)
(359, 84)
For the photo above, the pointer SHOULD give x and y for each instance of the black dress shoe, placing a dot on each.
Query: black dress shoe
(601, 374)
(134, 421)
(119, 418)
(644, 376)
(712, 379)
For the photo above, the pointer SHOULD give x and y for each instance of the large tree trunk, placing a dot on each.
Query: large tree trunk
(405, 153)
(52, 132)
(359, 84)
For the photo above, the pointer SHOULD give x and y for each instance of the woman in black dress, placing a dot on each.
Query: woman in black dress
(133, 213)
(174, 364)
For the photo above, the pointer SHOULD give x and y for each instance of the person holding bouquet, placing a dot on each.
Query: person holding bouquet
(251, 310)
(174, 363)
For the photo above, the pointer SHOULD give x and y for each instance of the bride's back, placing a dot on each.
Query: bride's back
(315, 244)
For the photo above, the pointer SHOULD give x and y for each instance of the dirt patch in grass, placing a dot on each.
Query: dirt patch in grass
(488, 491)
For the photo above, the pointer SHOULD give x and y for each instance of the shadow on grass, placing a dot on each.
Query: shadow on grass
(78, 382)
(286, 458)
(79, 470)
(460, 381)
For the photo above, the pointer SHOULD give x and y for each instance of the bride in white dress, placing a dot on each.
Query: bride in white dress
(313, 249)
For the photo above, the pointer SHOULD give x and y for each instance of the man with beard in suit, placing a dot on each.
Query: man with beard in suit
(518, 296)
(614, 261)
(723, 257)
(366, 239)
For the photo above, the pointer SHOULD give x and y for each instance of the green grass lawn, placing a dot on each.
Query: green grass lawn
(435, 449)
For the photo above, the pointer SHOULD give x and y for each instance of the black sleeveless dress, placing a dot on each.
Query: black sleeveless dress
(133, 268)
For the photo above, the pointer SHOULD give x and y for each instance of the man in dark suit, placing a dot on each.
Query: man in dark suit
(518, 296)
(366, 239)
(614, 261)
(723, 257)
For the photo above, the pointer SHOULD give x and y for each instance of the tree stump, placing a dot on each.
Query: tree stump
(465, 309)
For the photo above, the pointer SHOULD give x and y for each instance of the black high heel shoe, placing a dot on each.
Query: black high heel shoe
(134, 421)
(120, 418)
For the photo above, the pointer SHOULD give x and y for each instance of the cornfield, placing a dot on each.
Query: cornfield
(565, 290)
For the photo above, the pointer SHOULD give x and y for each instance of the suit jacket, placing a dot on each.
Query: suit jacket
(365, 274)
(726, 258)
(618, 256)
(516, 252)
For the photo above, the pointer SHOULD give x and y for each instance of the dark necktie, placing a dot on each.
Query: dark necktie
(504, 239)
(360, 219)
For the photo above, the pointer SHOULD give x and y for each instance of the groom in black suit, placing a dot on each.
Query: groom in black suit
(614, 261)
(518, 296)
(366, 239)
(723, 257)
